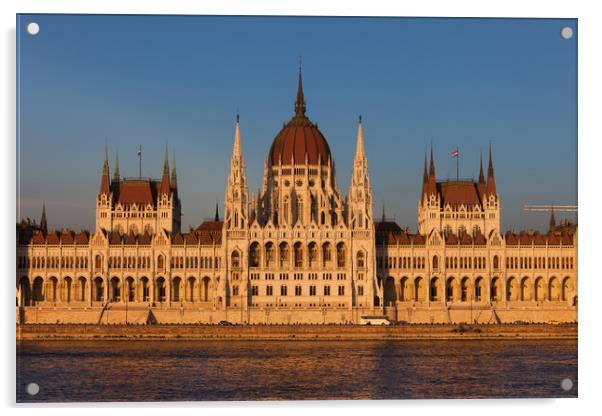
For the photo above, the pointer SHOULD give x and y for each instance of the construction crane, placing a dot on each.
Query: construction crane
(556, 208)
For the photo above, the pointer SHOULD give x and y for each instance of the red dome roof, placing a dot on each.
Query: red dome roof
(299, 139)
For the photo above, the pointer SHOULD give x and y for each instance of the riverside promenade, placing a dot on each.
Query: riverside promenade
(295, 332)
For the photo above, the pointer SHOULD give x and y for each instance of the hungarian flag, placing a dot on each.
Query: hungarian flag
(140, 151)
(455, 153)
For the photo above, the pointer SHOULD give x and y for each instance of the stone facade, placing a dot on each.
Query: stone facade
(297, 252)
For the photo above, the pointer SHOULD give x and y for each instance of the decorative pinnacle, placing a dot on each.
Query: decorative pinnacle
(300, 102)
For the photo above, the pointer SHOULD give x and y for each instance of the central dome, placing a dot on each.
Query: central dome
(299, 139)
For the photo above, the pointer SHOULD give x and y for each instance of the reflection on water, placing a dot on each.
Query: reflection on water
(293, 370)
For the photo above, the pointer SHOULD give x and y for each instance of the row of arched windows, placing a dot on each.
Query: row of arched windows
(302, 255)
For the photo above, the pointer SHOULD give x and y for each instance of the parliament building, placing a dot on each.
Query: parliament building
(300, 251)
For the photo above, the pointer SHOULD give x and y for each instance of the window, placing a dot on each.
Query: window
(360, 290)
(360, 259)
(297, 290)
(269, 290)
(312, 291)
(283, 290)
(341, 290)
(235, 290)
(235, 260)
(326, 290)
(254, 290)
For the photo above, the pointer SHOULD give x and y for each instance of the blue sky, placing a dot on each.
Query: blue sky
(152, 80)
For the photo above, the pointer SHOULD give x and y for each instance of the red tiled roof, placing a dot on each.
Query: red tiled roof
(38, 238)
(67, 237)
(298, 139)
(459, 192)
(177, 239)
(511, 238)
(465, 239)
(145, 239)
(115, 238)
(52, 238)
(525, 239)
(82, 238)
(131, 238)
(190, 238)
(419, 239)
(451, 239)
(136, 191)
(480, 239)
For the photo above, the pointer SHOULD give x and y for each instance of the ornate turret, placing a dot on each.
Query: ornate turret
(360, 195)
(236, 200)
(552, 221)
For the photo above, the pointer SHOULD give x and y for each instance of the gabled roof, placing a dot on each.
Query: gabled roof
(511, 238)
(115, 238)
(131, 239)
(466, 239)
(480, 239)
(177, 239)
(52, 238)
(191, 238)
(38, 238)
(83, 238)
(144, 239)
(451, 239)
(67, 237)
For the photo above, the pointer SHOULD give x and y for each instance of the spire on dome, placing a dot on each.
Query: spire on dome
(165, 185)
(300, 102)
(116, 172)
(104, 180)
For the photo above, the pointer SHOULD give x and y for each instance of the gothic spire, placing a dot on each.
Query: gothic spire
(552, 221)
(116, 172)
(216, 218)
(104, 180)
(490, 177)
(300, 102)
(432, 179)
(359, 152)
(43, 223)
(165, 185)
(174, 175)
(384, 218)
(481, 176)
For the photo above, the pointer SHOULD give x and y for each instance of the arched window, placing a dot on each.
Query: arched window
(496, 262)
(235, 260)
(435, 262)
(254, 257)
(340, 255)
(298, 250)
(283, 254)
(160, 262)
(98, 262)
(360, 259)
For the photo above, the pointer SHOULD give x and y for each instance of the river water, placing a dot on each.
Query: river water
(293, 370)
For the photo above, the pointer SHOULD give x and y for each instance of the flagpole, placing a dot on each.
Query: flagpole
(140, 162)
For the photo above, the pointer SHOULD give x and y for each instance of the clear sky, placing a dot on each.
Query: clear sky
(180, 80)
